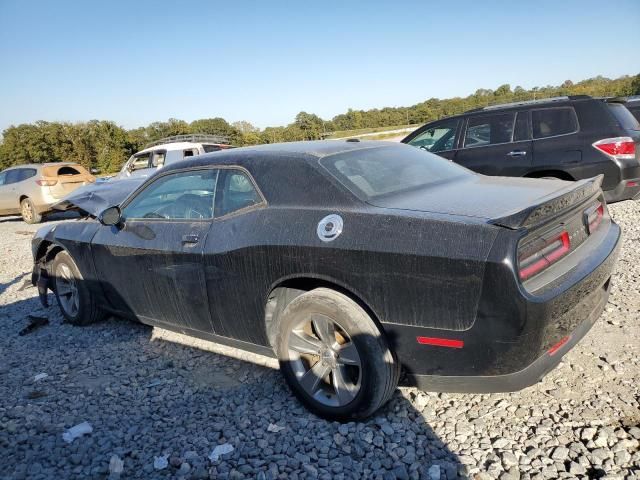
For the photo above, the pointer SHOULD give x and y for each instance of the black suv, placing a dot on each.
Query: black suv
(570, 138)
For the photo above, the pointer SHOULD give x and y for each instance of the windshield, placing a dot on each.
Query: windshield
(371, 173)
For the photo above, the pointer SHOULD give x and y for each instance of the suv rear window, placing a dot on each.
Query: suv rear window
(549, 122)
(370, 173)
(624, 117)
(489, 130)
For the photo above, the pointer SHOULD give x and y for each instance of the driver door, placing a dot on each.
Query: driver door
(151, 264)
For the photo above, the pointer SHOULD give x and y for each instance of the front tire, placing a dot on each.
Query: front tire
(333, 356)
(29, 213)
(74, 298)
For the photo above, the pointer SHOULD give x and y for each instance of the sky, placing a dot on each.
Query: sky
(136, 62)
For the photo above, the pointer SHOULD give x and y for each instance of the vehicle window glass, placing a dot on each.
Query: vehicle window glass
(383, 171)
(437, 138)
(68, 171)
(624, 117)
(13, 176)
(188, 153)
(140, 162)
(489, 130)
(179, 196)
(211, 148)
(635, 111)
(549, 122)
(235, 192)
(3, 177)
(158, 159)
(521, 130)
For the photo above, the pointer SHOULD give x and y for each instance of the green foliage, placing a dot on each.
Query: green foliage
(105, 146)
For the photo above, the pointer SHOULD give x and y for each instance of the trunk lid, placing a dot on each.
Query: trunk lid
(506, 201)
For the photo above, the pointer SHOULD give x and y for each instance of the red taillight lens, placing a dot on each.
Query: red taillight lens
(618, 147)
(543, 255)
(46, 183)
(594, 217)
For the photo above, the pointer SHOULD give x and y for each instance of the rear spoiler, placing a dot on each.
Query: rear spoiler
(551, 205)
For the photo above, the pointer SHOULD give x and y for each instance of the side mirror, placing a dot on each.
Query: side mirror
(110, 216)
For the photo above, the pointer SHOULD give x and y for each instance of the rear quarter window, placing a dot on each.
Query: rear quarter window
(551, 122)
(624, 117)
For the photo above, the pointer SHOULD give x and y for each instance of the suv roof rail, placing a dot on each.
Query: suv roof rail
(191, 137)
(530, 102)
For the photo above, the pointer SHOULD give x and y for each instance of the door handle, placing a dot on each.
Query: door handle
(190, 238)
(517, 153)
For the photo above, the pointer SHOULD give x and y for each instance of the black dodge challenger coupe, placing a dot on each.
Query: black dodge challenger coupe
(351, 262)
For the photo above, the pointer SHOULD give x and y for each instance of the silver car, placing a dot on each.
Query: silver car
(31, 190)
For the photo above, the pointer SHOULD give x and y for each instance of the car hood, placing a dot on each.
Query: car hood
(479, 196)
(94, 198)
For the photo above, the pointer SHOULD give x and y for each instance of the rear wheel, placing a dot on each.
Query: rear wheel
(72, 293)
(29, 212)
(334, 357)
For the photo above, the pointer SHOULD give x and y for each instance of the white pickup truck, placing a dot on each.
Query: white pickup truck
(169, 150)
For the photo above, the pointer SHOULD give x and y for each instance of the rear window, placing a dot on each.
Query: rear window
(549, 122)
(68, 171)
(211, 148)
(64, 170)
(624, 117)
(635, 111)
(371, 173)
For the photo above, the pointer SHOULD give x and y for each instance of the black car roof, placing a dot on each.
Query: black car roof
(288, 173)
(292, 151)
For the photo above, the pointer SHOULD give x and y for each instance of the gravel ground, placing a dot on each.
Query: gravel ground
(159, 403)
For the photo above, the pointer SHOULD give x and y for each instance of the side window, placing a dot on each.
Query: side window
(13, 176)
(178, 196)
(438, 138)
(27, 173)
(3, 177)
(158, 158)
(140, 161)
(189, 153)
(521, 130)
(489, 129)
(235, 192)
(549, 122)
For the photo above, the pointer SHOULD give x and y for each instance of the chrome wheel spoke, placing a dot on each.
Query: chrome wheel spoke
(64, 289)
(312, 378)
(302, 343)
(325, 329)
(342, 386)
(348, 355)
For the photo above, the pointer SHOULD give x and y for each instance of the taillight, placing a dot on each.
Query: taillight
(618, 147)
(542, 253)
(593, 217)
(46, 183)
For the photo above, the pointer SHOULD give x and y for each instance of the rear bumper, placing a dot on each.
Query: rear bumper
(626, 190)
(526, 377)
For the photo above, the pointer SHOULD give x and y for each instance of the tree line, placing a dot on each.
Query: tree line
(104, 146)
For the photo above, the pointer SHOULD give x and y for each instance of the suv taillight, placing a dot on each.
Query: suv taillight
(46, 183)
(618, 147)
(541, 253)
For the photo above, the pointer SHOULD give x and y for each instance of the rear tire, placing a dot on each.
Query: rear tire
(29, 213)
(74, 298)
(333, 356)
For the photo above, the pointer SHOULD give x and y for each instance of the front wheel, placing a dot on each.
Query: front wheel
(334, 357)
(72, 293)
(29, 213)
